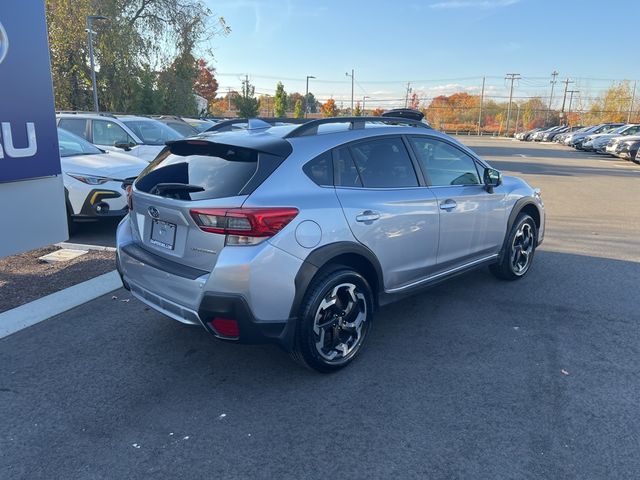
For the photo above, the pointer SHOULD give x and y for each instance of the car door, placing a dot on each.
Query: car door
(387, 208)
(472, 220)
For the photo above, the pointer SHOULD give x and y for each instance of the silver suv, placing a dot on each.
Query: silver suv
(297, 234)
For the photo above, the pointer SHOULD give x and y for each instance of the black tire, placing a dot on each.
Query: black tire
(341, 328)
(521, 242)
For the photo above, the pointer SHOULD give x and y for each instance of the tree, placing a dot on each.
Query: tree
(265, 105)
(377, 112)
(414, 101)
(292, 99)
(312, 103)
(357, 111)
(131, 51)
(246, 103)
(298, 111)
(206, 84)
(329, 108)
(280, 103)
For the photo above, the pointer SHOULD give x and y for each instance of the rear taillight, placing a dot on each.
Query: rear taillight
(243, 226)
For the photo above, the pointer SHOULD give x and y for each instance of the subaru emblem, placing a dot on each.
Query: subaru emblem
(4, 43)
(153, 211)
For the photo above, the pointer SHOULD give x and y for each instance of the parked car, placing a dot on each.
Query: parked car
(526, 135)
(201, 125)
(178, 124)
(598, 142)
(562, 137)
(635, 158)
(142, 137)
(305, 230)
(94, 179)
(575, 139)
(537, 137)
(550, 136)
(624, 147)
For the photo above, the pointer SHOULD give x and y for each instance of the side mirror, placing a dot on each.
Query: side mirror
(492, 178)
(126, 146)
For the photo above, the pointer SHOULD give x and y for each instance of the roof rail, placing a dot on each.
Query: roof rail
(356, 123)
(85, 112)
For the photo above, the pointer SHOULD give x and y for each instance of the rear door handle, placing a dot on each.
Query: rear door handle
(367, 216)
(448, 205)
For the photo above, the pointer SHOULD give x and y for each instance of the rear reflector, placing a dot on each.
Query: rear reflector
(245, 222)
(226, 327)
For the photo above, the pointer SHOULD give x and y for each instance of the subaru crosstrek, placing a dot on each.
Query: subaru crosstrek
(297, 234)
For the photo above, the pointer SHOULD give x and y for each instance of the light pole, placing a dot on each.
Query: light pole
(306, 97)
(351, 75)
(364, 98)
(90, 32)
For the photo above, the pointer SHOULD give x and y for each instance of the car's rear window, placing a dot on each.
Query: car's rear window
(198, 173)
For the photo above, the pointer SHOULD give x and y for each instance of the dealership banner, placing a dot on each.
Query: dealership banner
(32, 198)
(28, 139)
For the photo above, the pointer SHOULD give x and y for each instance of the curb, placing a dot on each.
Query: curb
(83, 246)
(31, 313)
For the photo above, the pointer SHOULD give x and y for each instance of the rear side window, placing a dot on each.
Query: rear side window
(77, 126)
(346, 173)
(320, 170)
(205, 171)
(384, 163)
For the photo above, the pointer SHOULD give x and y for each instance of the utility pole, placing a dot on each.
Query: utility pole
(513, 77)
(571, 92)
(481, 102)
(554, 76)
(306, 97)
(564, 98)
(633, 99)
(90, 32)
(406, 97)
(229, 99)
(352, 80)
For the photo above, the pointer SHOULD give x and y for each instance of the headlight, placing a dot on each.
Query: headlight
(90, 180)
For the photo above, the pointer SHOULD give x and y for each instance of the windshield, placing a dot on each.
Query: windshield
(70, 145)
(183, 128)
(152, 132)
(618, 130)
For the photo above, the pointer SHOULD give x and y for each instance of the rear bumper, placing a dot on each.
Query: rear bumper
(260, 302)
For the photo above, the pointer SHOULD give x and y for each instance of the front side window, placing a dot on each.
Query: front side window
(384, 163)
(109, 133)
(444, 164)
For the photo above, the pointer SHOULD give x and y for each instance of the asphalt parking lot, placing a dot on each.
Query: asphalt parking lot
(476, 378)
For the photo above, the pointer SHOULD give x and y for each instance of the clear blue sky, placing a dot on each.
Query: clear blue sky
(440, 46)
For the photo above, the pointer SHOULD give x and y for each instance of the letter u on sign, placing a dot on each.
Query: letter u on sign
(7, 140)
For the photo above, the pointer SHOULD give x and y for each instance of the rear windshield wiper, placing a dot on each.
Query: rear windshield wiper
(163, 188)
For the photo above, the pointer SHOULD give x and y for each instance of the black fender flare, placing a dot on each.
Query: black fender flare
(515, 211)
(321, 257)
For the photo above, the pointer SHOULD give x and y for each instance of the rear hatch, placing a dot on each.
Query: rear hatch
(191, 175)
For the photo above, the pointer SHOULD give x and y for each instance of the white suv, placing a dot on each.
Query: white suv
(142, 137)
